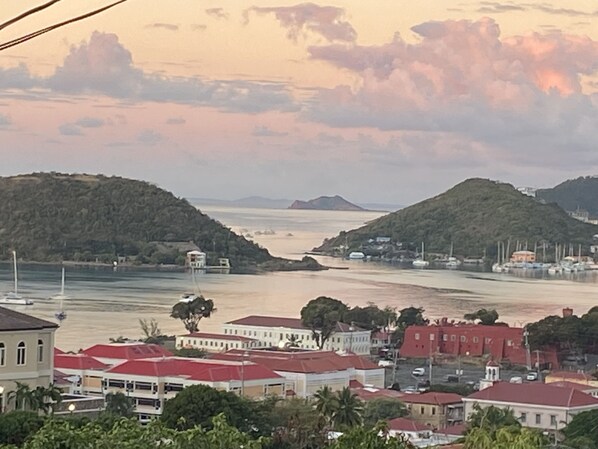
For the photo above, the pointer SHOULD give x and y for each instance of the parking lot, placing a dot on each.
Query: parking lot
(470, 373)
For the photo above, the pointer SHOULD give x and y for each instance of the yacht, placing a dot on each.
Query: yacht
(422, 262)
(14, 297)
(60, 296)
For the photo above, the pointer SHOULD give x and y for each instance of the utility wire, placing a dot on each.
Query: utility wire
(28, 13)
(37, 33)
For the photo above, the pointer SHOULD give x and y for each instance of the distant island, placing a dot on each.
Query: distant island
(54, 217)
(471, 217)
(574, 195)
(326, 203)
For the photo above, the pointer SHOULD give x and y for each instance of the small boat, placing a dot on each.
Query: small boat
(13, 297)
(60, 296)
(356, 255)
(452, 263)
(422, 262)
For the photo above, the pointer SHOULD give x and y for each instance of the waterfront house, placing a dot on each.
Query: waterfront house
(26, 352)
(519, 257)
(279, 331)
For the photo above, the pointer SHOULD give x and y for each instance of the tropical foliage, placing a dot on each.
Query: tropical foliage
(376, 410)
(192, 312)
(322, 315)
(16, 426)
(472, 216)
(341, 410)
(87, 218)
(119, 404)
(43, 399)
(483, 316)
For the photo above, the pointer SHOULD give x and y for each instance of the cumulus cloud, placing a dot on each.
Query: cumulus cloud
(326, 21)
(512, 94)
(218, 13)
(176, 121)
(264, 131)
(103, 66)
(164, 26)
(70, 129)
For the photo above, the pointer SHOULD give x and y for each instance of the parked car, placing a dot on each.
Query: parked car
(516, 380)
(451, 378)
(385, 363)
(418, 372)
(410, 390)
(531, 376)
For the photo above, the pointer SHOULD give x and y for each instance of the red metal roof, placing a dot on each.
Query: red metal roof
(276, 321)
(299, 362)
(455, 430)
(207, 335)
(127, 351)
(433, 398)
(406, 425)
(78, 362)
(193, 369)
(58, 351)
(368, 394)
(360, 363)
(535, 393)
(574, 385)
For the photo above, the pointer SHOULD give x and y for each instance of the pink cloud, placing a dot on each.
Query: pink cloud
(327, 21)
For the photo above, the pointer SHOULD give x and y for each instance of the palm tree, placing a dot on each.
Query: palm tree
(46, 399)
(23, 396)
(348, 413)
(326, 403)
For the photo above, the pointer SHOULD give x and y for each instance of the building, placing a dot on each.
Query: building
(150, 382)
(523, 257)
(114, 353)
(306, 372)
(26, 352)
(215, 342)
(587, 389)
(84, 373)
(536, 405)
(435, 410)
(380, 340)
(276, 331)
(571, 376)
(409, 429)
(500, 343)
(196, 260)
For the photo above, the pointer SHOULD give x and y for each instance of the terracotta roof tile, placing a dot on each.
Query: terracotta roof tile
(406, 425)
(535, 393)
(432, 397)
(291, 323)
(127, 351)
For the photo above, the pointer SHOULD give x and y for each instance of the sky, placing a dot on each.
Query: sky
(387, 101)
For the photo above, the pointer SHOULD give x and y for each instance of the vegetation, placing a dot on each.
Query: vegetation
(577, 193)
(118, 404)
(483, 316)
(581, 431)
(342, 409)
(88, 218)
(191, 313)
(322, 315)
(39, 399)
(16, 426)
(473, 216)
(371, 317)
(382, 409)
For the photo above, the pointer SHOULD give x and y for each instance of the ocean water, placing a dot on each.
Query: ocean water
(108, 303)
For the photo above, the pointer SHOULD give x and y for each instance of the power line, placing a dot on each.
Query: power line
(28, 13)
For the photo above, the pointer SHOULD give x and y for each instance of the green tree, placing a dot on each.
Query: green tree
(408, 316)
(382, 409)
(491, 419)
(198, 404)
(119, 404)
(296, 426)
(193, 353)
(46, 399)
(18, 425)
(582, 428)
(370, 438)
(22, 396)
(504, 438)
(326, 403)
(191, 313)
(485, 317)
(349, 411)
(370, 317)
(322, 315)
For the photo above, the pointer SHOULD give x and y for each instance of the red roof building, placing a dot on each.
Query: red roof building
(211, 342)
(474, 340)
(537, 405)
(78, 362)
(406, 425)
(117, 352)
(83, 371)
(434, 409)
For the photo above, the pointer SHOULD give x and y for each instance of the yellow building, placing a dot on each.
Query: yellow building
(523, 257)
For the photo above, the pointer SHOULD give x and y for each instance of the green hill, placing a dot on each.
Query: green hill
(474, 215)
(54, 217)
(580, 193)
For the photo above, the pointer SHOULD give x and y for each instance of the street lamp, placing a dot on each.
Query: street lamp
(72, 408)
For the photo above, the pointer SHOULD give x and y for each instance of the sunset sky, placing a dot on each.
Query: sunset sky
(378, 101)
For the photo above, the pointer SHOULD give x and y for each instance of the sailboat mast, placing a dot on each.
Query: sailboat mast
(62, 286)
(14, 260)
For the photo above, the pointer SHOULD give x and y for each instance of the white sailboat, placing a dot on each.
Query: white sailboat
(498, 267)
(452, 262)
(61, 295)
(189, 297)
(421, 263)
(14, 297)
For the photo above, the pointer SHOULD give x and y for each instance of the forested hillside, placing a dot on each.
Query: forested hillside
(55, 217)
(580, 193)
(473, 215)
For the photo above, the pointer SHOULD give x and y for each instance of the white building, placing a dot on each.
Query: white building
(196, 260)
(277, 331)
(215, 342)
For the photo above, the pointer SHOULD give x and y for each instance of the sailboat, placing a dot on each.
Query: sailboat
(189, 297)
(61, 295)
(421, 263)
(452, 262)
(497, 267)
(14, 297)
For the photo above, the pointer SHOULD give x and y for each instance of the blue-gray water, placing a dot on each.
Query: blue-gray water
(109, 303)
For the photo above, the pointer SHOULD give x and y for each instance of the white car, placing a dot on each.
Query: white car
(531, 376)
(385, 363)
(418, 372)
(516, 380)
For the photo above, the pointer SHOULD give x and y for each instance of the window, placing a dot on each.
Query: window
(509, 342)
(488, 340)
(433, 410)
(417, 336)
(422, 410)
(431, 337)
(463, 338)
(445, 337)
(40, 350)
(21, 353)
(553, 420)
(2, 354)
(523, 418)
(453, 337)
(224, 331)
(538, 418)
(475, 339)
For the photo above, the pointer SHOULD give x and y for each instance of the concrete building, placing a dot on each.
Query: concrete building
(523, 257)
(536, 405)
(84, 373)
(215, 342)
(435, 410)
(571, 376)
(306, 372)
(409, 429)
(26, 352)
(474, 340)
(277, 331)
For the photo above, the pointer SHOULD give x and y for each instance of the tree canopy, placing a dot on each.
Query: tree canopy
(322, 315)
(192, 312)
(483, 316)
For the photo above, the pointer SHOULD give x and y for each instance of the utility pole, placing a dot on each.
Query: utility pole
(527, 353)
(538, 365)
(430, 360)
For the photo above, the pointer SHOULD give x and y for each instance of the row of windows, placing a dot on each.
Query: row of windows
(462, 338)
(538, 419)
(307, 337)
(22, 353)
(215, 344)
